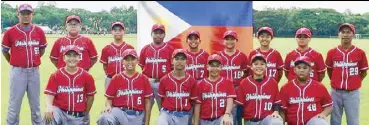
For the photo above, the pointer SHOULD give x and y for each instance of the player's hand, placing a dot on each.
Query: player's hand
(276, 115)
(320, 115)
(227, 119)
(107, 109)
(49, 114)
(87, 117)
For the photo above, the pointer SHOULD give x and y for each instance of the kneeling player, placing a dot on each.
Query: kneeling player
(305, 101)
(258, 95)
(70, 92)
(128, 95)
(215, 94)
(175, 91)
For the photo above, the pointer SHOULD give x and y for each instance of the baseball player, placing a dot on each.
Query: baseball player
(128, 95)
(196, 57)
(235, 67)
(69, 92)
(176, 91)
(347, 66)
(111, 55)
(27, 44)
(155, 59)
(274, 59)
(305, 101)
(303, 37)
(85, 44)
(258, 95)
(214, 96)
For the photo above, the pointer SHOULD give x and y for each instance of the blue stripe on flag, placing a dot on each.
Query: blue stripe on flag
(219, 13)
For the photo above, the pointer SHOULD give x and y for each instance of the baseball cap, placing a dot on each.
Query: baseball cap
(267, 29)
(179, 51)
(72, 48)
(258, 56)
(351, 26)
(230, 33)
(69, 18)
(158, 26)
(23, 7)
(305, 31)
(119, 24)
(215, 57)
(128, 52)
(194, 32)
(303, 59)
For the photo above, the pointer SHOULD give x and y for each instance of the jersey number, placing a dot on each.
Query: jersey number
(237, 74)
(139, 102)
(222, 103)
(272, 72)
(268, 106)
(354, 71)
(312, 74)
(36, 50)
(312, 107)
(202, 74)
(164, 68)
(79, 98)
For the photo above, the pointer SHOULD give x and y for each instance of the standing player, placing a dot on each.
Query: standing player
(155, 59)
(303, 37)
(347, 67)
(176, 91)
(305, 101)
(274, 59)
(196, 57)
(235, 67)
(128, 95)
(27, 44)
(111, 55)
(69, 92)
(258, 95)
(84, 44)
(214, 96)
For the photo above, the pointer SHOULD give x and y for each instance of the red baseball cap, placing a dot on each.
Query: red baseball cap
(72, 48)
(23, 7)
(69, 18)
(194, 32)
(215, 57)
(158, 26)
(351, 26)
(230, 33)
(119, 24)
(305, 31)
(303, 59)
(258, 56)
(128, 52)
(265, 28)
(178, 51)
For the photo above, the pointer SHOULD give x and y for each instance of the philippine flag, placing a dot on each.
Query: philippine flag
(211, 19)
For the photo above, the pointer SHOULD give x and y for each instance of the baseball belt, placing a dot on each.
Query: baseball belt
(131, 112)
(211, 119)
(177, 113)
(75, 114)
(152, 80)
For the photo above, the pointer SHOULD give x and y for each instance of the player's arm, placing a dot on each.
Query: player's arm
(327, 111)
(90, 101)
(286, 67)
(283, 115)
(43, 42)
(54, 54)
(227, 115)
(363, 66)
(49, 107)
(6, 54)
(147, 110)
(329, 64)
(280, 74)
(197, 114)
(363, 74)
(6, 46)
(321, 76)
(93, 53)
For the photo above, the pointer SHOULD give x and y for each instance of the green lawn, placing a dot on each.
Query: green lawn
(283, 45)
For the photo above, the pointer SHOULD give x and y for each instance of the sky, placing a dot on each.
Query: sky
(95, 6)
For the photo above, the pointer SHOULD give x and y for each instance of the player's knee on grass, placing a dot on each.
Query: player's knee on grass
(105, 119)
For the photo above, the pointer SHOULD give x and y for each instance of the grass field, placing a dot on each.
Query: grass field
(284, 45)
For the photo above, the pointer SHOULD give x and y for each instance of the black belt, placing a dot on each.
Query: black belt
(131, 112)
(345, 90)
(210, 119)
(75, 114)
(255, 120)
(109, 76)
(177, 113)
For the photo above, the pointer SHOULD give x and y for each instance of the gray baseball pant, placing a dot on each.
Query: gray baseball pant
(350, 102)
(155, 88)
(119, 117)
(218, 121)
(269, 120)
(107, 82)
(62, 118)
(166, 118)
(317, 121)
(22, 80)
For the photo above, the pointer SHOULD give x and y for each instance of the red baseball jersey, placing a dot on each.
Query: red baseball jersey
(85, 45)
(213, 97)
(111, 55)
(129, 92)
(346, 67)
(177, 94)
(196, 64)
(24, 45)
(274, 61)
(257, 98)
(71, 90)
(234, 66)
(318, 65)
(302, 102)
(156, 60)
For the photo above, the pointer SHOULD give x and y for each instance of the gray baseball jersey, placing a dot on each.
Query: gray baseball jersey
(120, 117)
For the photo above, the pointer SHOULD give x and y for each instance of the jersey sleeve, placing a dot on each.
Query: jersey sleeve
(193, 89)
(6, 43)
(241, 93)
(130, 47)
(327, 99)
(252, 53)
(54, 54)
(328, 60)
(198, 93)
(276, 91)
(104, 55)
(282, 97)
(90, 85)
(91, 49)
(112, 88)
(320, 64)
(246, 64)
(286, 66)
(142, 60)
(161, 91)
(51, 87)
(43, 42)
(231, 93)
(363, 64)
(148, 90)
(280, 64)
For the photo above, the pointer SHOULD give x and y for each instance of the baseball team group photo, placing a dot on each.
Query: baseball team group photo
(159, 63)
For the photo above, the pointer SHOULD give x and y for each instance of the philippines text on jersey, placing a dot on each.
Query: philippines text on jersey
(192, 66)
(25, 43)
(177, 94)
(226, 67)
(128, 92)
(114, 59)
(63, 48)
(344, 64)
(294, 100)
(273, 65)
(155, 60)
(213, 95)
(255, 96)
(67, 89)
